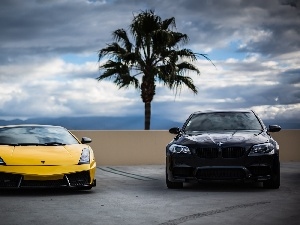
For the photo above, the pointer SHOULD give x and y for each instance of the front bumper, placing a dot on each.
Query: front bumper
(75, 176)
(188, 168)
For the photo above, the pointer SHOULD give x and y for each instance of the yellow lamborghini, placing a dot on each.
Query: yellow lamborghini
(45, 156)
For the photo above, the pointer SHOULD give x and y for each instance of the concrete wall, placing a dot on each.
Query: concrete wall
(289, 145)
(148, 147)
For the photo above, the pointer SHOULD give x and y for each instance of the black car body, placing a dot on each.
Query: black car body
(223, 145)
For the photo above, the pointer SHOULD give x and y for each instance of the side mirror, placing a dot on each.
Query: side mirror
(86, 140)
(274, 128)
(174, 130)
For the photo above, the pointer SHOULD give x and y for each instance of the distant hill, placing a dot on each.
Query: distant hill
(123, 123)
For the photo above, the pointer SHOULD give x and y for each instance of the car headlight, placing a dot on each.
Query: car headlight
(2, 161)
(259, 149)
(85, 156)
(179, 149)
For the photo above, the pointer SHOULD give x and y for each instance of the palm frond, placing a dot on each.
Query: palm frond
(112, 50)
(119, 73)
(206, 57)
(178, 81)
(186, 66)
(167, 23)
(125, 80)
(121, 35)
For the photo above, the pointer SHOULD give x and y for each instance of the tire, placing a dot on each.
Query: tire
(274, 182)
(173, 185)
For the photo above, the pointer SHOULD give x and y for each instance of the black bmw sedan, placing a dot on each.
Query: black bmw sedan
(223, 145)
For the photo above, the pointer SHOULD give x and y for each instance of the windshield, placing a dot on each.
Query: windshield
(223, 121)
(36, 135)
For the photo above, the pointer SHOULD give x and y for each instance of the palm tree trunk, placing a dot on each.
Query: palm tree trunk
(147, 115)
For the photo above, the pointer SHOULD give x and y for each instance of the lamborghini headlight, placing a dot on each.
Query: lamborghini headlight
(85, 156)
(262, 149)
(174, 148)
(2, 161)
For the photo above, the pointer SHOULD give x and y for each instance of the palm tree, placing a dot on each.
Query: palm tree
(154, 54)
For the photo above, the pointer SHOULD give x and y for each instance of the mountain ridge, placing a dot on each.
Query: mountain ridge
(97, 123)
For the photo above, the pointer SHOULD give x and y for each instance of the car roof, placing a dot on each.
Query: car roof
(28, 125)
(223, 111)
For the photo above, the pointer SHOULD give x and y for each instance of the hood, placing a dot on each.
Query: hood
(41, 155)
(228, 138)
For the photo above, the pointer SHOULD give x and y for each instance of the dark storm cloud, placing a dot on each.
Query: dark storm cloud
(215, 21)
(290, 77)
(76, 26)
(53, 27)
(289, 87)
(284, 90)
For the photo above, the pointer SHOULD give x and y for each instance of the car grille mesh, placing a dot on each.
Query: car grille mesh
(233, 152)
(78, 179)
(44, 183)
(260, 170)
(183, 171)
(220, 173)
(8, 180)
(228, 152)
(207, 152)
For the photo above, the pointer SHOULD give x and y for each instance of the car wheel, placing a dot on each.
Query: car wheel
(173, 185)
(274, 182)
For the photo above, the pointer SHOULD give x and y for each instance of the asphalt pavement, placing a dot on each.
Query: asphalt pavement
(138, 195)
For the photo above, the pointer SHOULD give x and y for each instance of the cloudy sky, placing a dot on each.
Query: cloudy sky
(49, 57)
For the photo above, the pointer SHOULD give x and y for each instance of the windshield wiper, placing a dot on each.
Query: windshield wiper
(28, 144)
(53, 143)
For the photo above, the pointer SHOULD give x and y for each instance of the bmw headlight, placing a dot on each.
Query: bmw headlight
(85, 156)
(261, 149)
(174, 148)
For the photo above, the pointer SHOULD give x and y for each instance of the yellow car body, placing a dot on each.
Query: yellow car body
(34, 163)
